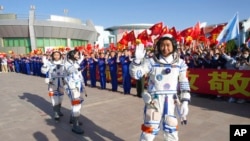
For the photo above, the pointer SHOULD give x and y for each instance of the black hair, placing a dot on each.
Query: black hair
(71, 54)
(159, 42)
(234, 52)
(52, 55)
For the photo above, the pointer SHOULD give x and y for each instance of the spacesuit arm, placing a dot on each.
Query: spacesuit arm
(48, 79)
(80, 59)
(185, 92)
(45, 67)
(71, 67)
(184, 82)
(137, 71)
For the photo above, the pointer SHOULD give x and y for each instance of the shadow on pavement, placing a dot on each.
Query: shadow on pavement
(39, 136)
(209, 103)
(92, 131)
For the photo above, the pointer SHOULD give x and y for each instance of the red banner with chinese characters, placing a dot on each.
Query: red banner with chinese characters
(233, 83)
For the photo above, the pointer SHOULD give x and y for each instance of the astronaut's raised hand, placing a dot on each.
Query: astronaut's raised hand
(45, 60)
(184, 112)
(139, 53)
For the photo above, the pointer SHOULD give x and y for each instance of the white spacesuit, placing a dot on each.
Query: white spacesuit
(54, 70)
(167, 76)
(74, 87)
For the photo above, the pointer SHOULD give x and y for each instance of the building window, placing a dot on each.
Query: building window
(46, 42)
(16, 42)
(75, 43)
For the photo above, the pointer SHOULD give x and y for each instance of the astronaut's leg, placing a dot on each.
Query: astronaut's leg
(152, 119)
(60, 99)
(170, 122)
(76, 102)
(55, 103)
(59, 108)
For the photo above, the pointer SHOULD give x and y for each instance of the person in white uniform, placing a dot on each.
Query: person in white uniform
(75, 87)
(167, 74)
(54, 70)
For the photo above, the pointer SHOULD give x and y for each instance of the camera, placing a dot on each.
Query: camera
(241, 59)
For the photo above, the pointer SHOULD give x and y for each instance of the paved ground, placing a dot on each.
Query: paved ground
(107, 116)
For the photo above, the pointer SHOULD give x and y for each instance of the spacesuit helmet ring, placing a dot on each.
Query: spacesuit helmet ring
(163, 38)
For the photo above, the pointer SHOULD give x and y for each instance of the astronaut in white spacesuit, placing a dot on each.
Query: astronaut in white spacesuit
(54, 70)
(74, 87)
(167, 74)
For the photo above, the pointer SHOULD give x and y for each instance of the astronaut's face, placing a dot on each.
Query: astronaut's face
(166, 48)
(76, 56)
(57, 56)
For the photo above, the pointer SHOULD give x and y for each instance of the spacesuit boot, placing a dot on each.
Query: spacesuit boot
(76, 127)
(71, 120)
(59, 110)
(56, 112)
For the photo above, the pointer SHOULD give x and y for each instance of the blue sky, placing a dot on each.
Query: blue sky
(107, 13)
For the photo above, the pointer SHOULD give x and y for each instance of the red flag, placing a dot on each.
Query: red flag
(86, 52)
(124, 39)
(123, 42)
(112, 47)
(217, 29)
(173, 32)
(156, 28)
(131, 36)
(186, 32)
(214, 34)
(196, 31)
(89, 47)
(203, 39)
(164, 30)
(144, 37)
(202, 32)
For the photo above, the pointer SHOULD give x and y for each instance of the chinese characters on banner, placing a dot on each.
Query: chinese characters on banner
(220, 82)
(233, 83)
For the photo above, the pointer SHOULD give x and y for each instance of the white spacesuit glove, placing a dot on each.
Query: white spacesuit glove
(184, 112)
(146, 97)
(185, 98)
(139, 53)
(76, 66)
(45, 60)
(47, 80)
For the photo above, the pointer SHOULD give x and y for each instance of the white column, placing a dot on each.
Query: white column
(68, 42)
(1, 42)
(31, 28)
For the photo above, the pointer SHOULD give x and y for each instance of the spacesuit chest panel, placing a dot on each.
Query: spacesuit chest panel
(57, 71)
(164, 78)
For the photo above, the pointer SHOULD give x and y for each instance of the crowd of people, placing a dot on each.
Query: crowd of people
(98, 62)
(218, 58)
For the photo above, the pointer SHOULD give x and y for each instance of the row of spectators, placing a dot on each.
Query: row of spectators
(195, 57)
(217, 58)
